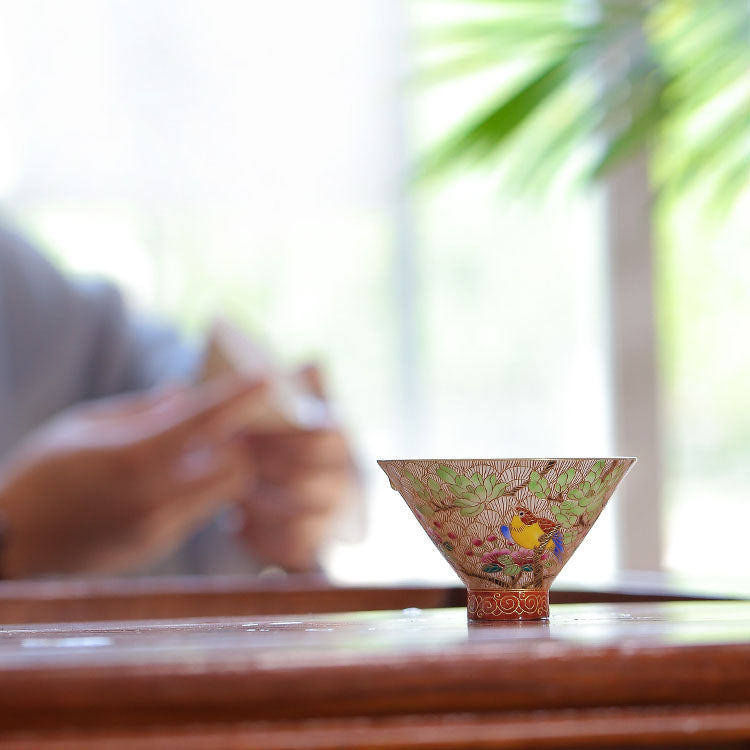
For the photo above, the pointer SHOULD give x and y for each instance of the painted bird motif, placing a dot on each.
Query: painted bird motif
(526, 529)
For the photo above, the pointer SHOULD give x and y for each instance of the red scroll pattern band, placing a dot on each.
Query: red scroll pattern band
(508, 605)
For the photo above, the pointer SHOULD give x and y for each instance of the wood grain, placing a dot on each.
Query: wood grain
(202, 596)
(667, 675)
(372, 664)
(217, 596)
(682, 728)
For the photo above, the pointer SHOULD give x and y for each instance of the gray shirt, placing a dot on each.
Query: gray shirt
(63, 341)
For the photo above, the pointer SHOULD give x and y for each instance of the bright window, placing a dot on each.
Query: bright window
(250, 159)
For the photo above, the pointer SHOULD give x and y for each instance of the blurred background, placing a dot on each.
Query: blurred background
(505, 228)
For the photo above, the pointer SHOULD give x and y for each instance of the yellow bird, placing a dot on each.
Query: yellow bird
(526, 529)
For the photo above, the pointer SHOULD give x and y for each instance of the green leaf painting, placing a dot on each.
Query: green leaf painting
(446, 474)
(564, 480)
(425, 510)
(538, 485)
(418, 487)
(587, 496)
(464, 482)
(456, 490)
(470, 493)
(504, 565)
(471, 510)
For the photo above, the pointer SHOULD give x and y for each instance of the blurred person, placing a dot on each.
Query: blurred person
(110, 460)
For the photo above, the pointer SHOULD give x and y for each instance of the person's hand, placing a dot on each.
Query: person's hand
(304, 481)
(115, 483)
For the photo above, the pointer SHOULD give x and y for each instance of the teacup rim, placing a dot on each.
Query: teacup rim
(511, 458)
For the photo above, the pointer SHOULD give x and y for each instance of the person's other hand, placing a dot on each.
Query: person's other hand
(305, 480)
(116, 483)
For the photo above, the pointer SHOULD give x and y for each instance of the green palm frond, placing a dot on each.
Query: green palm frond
(672, 77)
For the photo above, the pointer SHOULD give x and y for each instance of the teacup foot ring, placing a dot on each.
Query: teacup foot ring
(488, 605)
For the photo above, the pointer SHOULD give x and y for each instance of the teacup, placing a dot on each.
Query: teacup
(507, 526)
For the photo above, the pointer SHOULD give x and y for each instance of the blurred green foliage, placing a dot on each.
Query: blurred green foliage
(668, 76)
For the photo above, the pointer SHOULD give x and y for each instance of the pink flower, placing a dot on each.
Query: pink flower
(521, 556)
(476, 542)
(491, 538)
(437, 524)
(494, 554)
(451, 535)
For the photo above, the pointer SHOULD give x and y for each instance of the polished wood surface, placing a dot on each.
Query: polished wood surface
(216, 596)
(203, 596)
(605, 675)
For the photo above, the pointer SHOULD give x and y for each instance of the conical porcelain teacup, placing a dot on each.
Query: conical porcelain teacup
(507, 526)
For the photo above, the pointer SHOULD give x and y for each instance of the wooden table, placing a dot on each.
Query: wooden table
(71, 600)
(672, 674)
